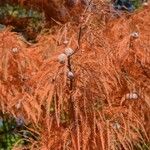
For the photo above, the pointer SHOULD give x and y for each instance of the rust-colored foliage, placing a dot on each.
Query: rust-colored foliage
(91, 111)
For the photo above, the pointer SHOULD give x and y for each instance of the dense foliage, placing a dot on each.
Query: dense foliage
(81, 83)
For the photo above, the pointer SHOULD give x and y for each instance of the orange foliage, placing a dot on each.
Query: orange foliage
(90, 111)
